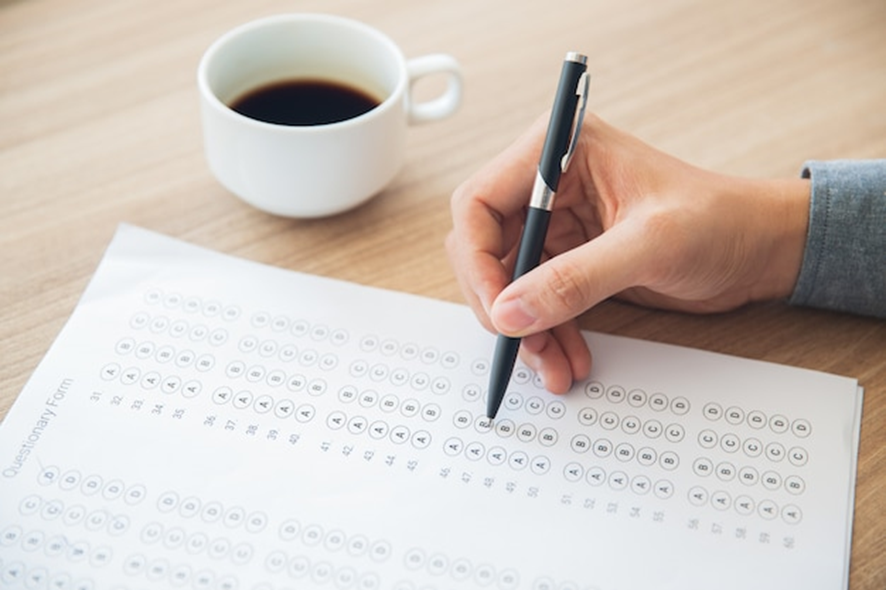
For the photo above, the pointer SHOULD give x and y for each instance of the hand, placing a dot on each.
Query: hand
(630, 221)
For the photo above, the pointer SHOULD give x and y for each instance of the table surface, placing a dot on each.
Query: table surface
(99, 124)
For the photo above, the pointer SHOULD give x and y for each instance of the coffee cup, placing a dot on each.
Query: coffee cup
(306, 115)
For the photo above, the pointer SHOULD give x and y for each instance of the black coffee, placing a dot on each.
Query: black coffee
(304, 102)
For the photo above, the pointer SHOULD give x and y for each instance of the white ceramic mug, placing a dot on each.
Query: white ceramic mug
(313, 171)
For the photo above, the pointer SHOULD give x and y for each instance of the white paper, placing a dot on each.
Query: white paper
(208, 422)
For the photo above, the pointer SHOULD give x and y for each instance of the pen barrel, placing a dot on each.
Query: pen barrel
(533, 241)
(562, 119)
(506, 348)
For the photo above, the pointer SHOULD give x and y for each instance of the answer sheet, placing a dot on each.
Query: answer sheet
(212, 423)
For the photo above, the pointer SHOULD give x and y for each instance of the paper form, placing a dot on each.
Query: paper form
(207, 422)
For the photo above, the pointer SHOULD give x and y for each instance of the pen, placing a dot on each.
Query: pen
(566, 119)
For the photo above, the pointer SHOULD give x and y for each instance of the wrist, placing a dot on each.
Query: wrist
(785, 215)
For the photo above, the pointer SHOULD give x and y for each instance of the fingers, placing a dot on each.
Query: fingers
(559, 356)
(568, 284)
(487, 217)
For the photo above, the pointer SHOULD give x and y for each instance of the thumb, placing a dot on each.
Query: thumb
(570, 283)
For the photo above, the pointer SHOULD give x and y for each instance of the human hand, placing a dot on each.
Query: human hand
(628, 220)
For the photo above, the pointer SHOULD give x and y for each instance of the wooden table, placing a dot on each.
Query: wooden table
(99, 125)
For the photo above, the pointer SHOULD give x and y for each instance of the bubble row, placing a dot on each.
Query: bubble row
(73, 480)
(496, 455)
(191, 507)
(637, 398)
(182, 358)
(74, 515)
(752, 447)
(460, 569)
(313, 535)
(506, 428)
(758, 420)
(749, 476)
(16, 573)
(381, 429)
(160, 570)
(299, 328)
(168, 384)
(596, 476)
(744, 505)
(174, 538)
(301, 567)
(651, 429)
(192, 305)
(195, 332)
(625, 452)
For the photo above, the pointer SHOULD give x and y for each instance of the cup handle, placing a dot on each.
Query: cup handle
(445, 104)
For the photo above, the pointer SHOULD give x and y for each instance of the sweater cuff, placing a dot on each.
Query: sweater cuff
(844, 263)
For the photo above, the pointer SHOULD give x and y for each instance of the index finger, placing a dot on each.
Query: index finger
(487, 217)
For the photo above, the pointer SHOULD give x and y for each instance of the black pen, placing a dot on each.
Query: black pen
(563, 130)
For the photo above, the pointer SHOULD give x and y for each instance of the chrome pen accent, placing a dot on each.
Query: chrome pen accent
(576, 57)
(542, 196)
(581, 91)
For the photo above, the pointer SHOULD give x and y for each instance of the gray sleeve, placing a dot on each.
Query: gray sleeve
(844, 264)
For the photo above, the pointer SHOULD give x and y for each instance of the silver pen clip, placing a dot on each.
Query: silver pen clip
(581, 90)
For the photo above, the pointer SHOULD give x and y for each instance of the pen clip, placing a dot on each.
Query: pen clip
(581, 90)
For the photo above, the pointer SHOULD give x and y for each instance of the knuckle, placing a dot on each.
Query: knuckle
(566, 288)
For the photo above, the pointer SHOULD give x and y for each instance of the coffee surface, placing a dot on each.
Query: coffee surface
(304, 102)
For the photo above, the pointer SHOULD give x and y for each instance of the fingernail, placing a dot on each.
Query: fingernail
(511, 316)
